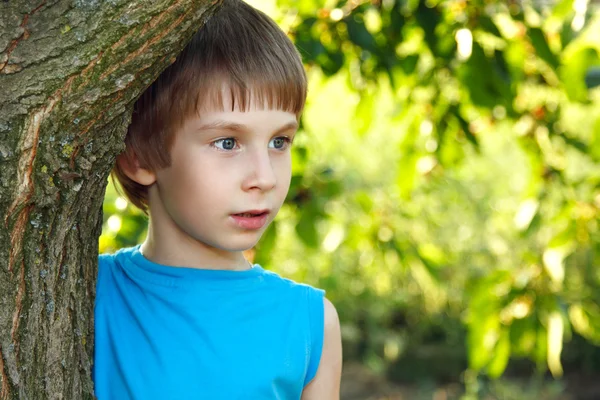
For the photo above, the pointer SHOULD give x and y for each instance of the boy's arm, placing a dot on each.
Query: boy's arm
(326, 383)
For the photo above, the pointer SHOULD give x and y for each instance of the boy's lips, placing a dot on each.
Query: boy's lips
(253, 213)
(251, 219)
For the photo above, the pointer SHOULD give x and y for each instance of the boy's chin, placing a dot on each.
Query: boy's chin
(243, 246)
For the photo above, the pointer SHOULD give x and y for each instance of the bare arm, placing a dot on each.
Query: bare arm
(326, 383)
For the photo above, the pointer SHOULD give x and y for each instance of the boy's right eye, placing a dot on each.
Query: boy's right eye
(225, 144)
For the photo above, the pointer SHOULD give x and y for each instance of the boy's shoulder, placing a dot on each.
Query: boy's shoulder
(286, 284)
(127, 251)
(107, 259)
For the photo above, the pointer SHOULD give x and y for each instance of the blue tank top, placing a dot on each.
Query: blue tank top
(182, 333)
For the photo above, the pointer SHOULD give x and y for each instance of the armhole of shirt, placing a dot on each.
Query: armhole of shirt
(104, 265)
(316, 319)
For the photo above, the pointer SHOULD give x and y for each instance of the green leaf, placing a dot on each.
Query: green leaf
(479, 353)
(363, 113)
(364, 200)
(534, 226)
(266, 243)
(565, 238)
(308, 46)
(575, 143)
(523, 335)
(562, 9)
(574, 73)
(464, 125)
(359, 34)
(297, 192)
(407, 165)
(567, 34)
(331, 62)
(501, 355)
(515, 55)
(409, 63)
(333, 188)
(430, 267)
(594, 146)
(480, 77)
(488, 25)
(428, 18)
(585, 318)
(393, 29)
(542, 49)
(299, 159)
(306, 228)
(541, 348)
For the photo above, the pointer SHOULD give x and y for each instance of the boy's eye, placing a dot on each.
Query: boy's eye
(225, 144)
(279, 143)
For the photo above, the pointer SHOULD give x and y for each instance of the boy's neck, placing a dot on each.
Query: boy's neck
(190, 254)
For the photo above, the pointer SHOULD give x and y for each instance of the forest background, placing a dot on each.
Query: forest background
(445, 194)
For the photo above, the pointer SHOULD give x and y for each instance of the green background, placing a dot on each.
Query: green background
(445, 192)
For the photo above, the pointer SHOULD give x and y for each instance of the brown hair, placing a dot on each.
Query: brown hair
(240, 49)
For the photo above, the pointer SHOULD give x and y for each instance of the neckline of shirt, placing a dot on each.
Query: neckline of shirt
(178, 276)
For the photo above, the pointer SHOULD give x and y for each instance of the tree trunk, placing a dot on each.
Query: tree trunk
(69, 73)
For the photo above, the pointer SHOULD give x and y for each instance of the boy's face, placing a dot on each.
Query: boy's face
(229, 175)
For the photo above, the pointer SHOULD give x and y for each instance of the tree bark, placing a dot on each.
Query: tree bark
(69, 73)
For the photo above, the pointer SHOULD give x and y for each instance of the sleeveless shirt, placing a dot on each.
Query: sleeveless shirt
(165, 332)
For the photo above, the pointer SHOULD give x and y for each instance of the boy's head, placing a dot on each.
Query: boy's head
(239, 60)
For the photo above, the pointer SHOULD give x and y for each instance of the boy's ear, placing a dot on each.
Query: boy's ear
(131, 167)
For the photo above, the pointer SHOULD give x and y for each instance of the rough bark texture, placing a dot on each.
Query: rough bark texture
(69, 72)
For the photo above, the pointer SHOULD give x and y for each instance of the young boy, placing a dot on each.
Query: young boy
(184, 315)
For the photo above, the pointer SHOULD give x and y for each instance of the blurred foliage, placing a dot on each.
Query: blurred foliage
(446, 183)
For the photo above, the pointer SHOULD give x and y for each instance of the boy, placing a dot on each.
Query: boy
(184, 315)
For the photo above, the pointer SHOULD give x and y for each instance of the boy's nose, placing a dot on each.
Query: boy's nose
(261, 174)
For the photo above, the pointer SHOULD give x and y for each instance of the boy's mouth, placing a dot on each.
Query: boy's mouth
(252, 220)
(252, 213)
(248, 215)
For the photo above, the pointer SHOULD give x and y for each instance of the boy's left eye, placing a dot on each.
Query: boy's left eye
(225, 144)
(280, 142)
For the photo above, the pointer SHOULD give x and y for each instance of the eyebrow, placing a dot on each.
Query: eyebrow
(241, 128)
